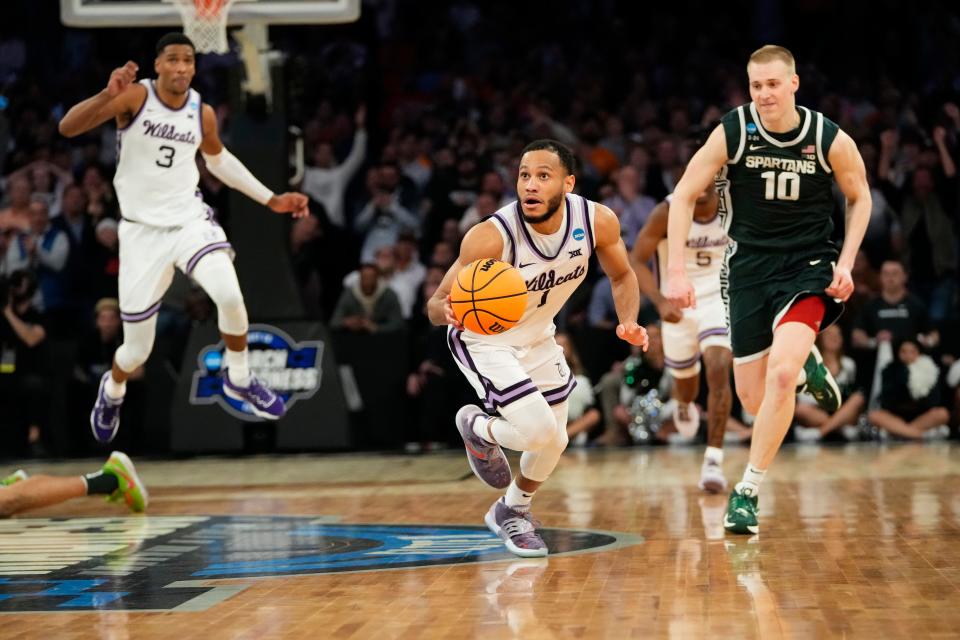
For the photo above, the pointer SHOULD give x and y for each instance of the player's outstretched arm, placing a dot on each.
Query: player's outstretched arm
(231, 172)
(121, 97)
(702, 168)
(482, 241)
(851, 177)
(616, 264)
(654, 230)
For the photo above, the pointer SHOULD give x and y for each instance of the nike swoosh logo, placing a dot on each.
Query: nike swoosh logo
(525, 265)
(757, 147)
(474, 452)
(727, 524)
(814, 263)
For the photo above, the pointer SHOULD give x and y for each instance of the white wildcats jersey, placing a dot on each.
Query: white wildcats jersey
(551, 275)
(157, 175)
(706, 246)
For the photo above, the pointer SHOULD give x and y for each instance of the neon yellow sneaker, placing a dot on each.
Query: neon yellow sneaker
(131, 489)
(14, 478)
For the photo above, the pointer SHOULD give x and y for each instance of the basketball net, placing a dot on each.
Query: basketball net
(205, 23)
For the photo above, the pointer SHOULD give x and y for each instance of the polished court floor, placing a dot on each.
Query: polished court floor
(861, 541)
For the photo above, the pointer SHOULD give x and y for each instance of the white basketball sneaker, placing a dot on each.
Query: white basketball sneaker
(711, 477)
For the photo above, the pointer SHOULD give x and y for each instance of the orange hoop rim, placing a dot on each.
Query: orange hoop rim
(208, 8)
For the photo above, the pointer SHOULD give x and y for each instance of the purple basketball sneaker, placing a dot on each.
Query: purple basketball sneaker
(105, 417)
(517, 529)
(486, 459)
(262, 401)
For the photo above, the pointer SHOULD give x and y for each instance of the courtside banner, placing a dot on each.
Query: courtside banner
(294, 359)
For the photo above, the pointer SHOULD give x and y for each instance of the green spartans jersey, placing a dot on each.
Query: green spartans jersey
(776, 187)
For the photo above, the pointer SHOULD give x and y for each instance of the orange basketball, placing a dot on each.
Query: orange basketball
(489, 296)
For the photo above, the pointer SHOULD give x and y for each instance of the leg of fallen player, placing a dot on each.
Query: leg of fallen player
(117, 479)
(39, 491)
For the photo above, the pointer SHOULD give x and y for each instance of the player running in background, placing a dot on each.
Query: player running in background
(692, 335)
(783, 279)
(162, 124)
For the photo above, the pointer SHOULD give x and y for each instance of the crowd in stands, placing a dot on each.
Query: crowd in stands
(413, 135)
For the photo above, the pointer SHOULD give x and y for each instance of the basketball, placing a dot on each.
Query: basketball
(489, 296)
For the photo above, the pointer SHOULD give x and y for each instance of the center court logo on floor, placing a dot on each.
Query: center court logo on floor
(175, 563)
(290, 368)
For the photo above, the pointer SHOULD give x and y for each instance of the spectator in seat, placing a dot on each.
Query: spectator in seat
(101, 200)
(408, 272)
(910, 394)
(370, 306)
(326, 181)
(381, 221)
(16, 215)
(895, 314)
(485, 205)
(630, 204)
(22, 367)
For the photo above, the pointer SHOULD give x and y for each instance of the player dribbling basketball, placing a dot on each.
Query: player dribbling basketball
(549, 234)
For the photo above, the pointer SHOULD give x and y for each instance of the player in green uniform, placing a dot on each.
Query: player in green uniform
(783, 279)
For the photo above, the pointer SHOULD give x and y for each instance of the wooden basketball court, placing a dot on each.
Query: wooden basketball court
(856, 541)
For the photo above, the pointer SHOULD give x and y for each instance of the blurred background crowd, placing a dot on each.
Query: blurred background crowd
(413, 128)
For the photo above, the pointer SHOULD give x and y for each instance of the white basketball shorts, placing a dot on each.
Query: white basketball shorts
(148, 256)
(502, 374)
(684, 341)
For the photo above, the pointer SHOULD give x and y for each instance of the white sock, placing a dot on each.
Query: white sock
(713, 455)
(115, 390)
(237, 367)
(801, 377)
(750, 484)
(481, 428)
(516, 498)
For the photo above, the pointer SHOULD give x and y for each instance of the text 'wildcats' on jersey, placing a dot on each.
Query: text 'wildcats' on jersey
(776, 188)
(157, 175)
(552, 266)
(703, 256)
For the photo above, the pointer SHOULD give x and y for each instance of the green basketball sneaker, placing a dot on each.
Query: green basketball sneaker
(131, 489)
(741, 514)
(14, 478)
(820, 382)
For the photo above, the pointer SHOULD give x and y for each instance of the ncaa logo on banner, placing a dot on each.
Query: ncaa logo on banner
(291, 369)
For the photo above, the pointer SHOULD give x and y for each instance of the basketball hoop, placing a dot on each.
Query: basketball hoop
(205, 23)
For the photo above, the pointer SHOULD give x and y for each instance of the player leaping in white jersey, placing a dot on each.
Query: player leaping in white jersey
(549, 234)
(693, 334)
(165, 224)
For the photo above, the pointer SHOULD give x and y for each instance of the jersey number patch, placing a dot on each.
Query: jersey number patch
(785, 186)
(167, 160)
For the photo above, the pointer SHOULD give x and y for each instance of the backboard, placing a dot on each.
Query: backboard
(158, 13)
